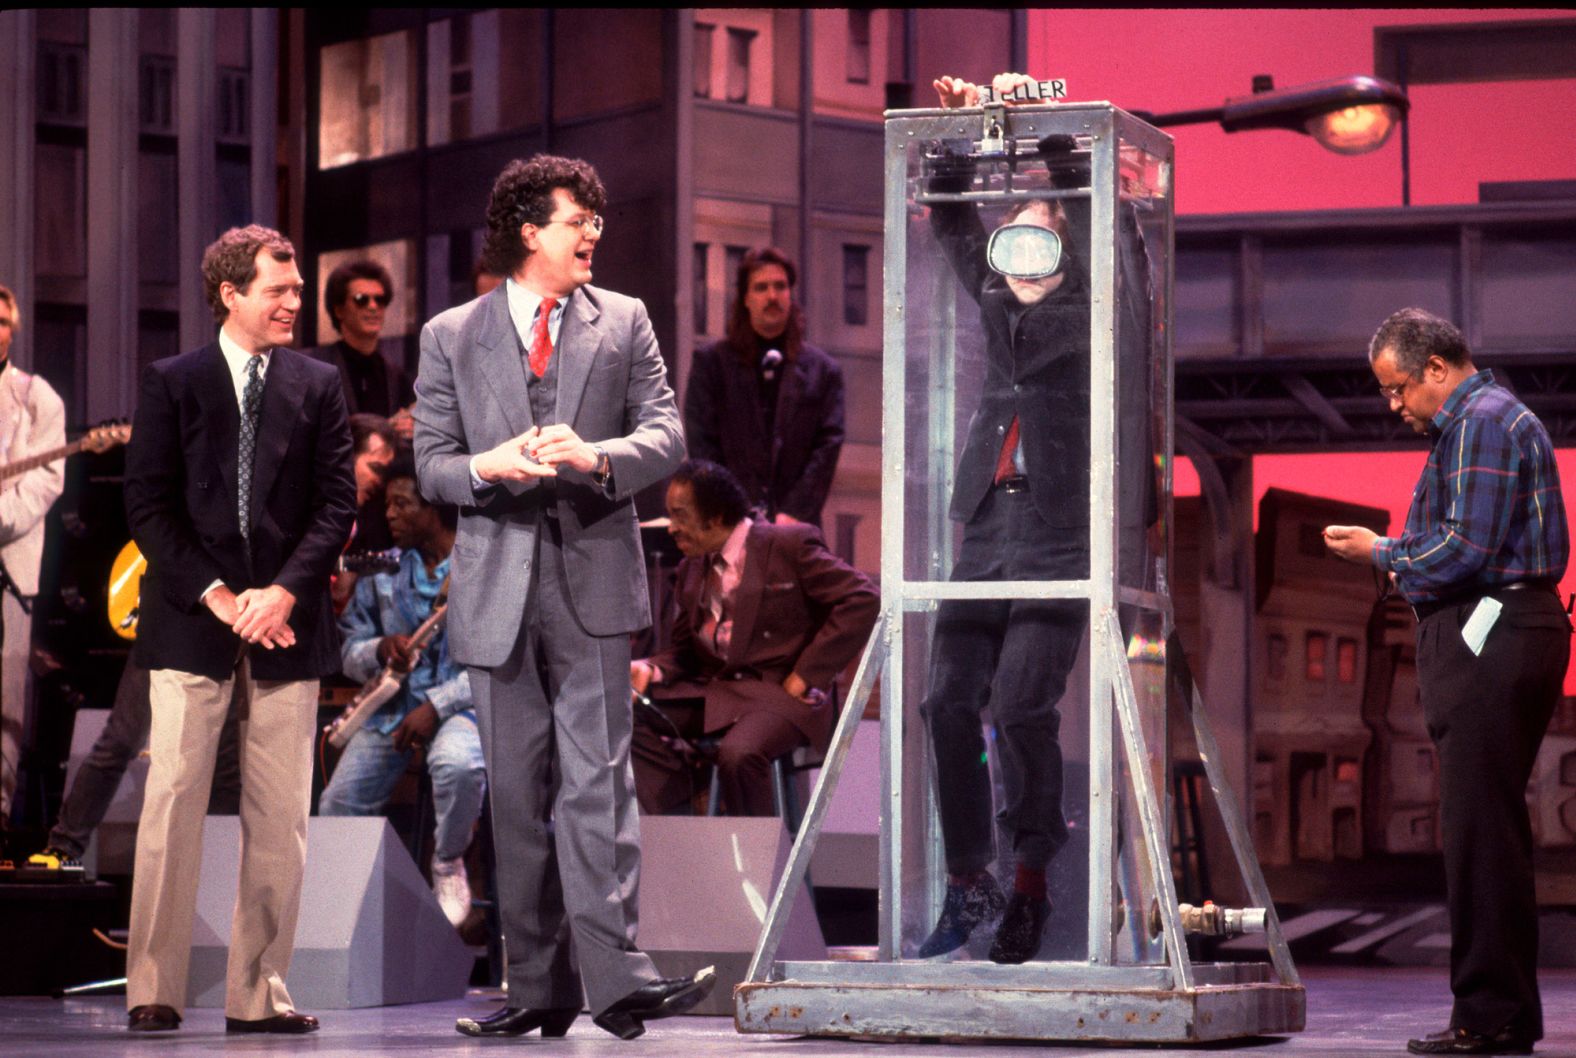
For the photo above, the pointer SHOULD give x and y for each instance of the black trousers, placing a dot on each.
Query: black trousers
(1012, 656)
(1487, 715)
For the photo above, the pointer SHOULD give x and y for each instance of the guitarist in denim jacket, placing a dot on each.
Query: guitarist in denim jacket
(433, 708)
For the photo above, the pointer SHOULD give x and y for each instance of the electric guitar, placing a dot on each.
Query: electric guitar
(98, 439)
(385, 684)
(125, 581)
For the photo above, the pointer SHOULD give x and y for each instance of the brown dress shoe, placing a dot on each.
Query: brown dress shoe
(287, 1023)
(153, 1017)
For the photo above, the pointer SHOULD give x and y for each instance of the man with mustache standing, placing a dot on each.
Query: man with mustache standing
(240, 493)
(541, 409)
(765, 403)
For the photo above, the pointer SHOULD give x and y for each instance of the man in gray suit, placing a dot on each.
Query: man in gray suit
(541, 409)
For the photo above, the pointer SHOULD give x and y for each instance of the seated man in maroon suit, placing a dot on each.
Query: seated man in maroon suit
(766, 619)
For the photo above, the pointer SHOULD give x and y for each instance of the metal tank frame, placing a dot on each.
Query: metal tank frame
(1169, 998)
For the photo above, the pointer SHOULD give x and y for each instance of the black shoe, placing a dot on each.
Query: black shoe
(153, 1017)
(662, 998)
(966, 908)
(1022, 928)
(517, 1022)
(290, 1024)
(1465, 1041)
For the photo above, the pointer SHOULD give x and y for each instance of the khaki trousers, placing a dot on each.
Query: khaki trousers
(276, 730)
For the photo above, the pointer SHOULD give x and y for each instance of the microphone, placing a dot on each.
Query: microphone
(770, 362)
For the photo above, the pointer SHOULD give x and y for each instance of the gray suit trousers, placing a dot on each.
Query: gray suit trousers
(555, 725)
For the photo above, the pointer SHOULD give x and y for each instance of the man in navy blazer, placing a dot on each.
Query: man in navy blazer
(240, 493)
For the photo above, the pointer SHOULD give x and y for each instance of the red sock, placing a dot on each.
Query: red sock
(1029, 882)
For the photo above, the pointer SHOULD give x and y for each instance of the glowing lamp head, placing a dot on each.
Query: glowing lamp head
(1355, 129)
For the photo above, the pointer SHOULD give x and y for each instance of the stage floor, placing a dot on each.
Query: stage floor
(1357, 1011)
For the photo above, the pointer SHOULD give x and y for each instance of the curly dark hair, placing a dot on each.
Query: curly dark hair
(717, 492)
(337, 289)
(523, 194)
(740, 334)
(403, 465)
(1414, 335)
(232, 258)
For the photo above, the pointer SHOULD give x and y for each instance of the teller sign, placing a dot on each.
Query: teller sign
(1029, 92)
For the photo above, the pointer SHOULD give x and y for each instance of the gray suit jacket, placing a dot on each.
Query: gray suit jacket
(471, 396)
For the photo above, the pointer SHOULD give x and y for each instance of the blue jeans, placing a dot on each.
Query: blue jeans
(371, 766)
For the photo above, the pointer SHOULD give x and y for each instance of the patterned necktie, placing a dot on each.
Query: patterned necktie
(251, 411)
(541, 341)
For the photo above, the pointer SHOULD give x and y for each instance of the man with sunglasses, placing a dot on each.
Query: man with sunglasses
(541, 409)
(357, 297)
(1480, 560)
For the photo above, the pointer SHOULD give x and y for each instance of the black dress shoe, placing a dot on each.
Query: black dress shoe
(291, 1023)
(662, 998)
(511, 1021)
(1465, 1041)
(965, 908)
(1022, 927)
(153, 1017)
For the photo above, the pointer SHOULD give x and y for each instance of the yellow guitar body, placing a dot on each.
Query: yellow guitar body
(125, 590)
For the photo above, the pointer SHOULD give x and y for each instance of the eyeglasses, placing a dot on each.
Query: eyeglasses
(361, 301)
(591, 225)
(1398, 390)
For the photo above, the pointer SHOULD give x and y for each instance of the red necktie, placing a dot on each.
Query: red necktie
(541, 341)
(1005, 467)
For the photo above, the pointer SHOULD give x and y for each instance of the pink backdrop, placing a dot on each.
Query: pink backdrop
(1160, 60)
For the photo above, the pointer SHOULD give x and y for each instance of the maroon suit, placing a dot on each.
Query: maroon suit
(797, 608)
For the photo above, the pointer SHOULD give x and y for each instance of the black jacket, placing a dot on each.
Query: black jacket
(790, 472)
(182, 508)
(1036, 367)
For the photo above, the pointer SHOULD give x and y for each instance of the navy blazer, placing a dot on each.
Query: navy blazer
(181, 504)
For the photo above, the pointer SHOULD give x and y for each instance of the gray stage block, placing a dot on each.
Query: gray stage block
(705, 886)
(370, 932)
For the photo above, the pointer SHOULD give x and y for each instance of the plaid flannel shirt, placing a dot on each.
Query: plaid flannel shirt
(1487, 510)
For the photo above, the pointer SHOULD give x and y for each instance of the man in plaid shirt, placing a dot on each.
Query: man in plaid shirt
(1480, 560)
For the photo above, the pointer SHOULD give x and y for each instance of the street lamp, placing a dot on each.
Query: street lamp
(1348, 115)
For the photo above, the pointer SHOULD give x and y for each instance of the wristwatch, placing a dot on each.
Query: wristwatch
(603, 468)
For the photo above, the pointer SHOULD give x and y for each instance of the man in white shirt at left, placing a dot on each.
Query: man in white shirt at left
(32, 420)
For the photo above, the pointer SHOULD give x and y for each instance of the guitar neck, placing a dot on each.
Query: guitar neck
(33, 462)
(427, 629)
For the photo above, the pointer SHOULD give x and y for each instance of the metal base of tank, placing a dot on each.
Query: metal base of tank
(959, 1001)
